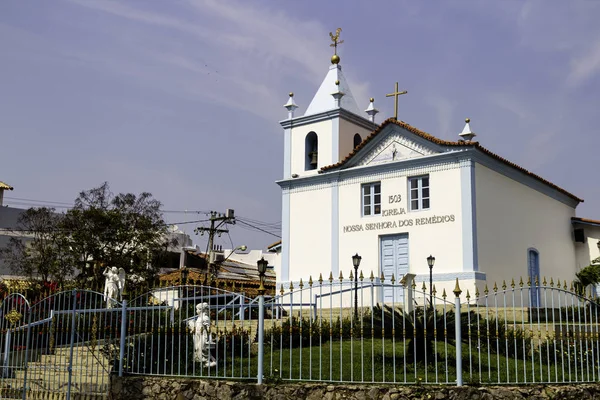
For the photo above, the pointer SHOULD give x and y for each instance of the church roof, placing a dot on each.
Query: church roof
(324, 101)
(586, 221)
(442, 142)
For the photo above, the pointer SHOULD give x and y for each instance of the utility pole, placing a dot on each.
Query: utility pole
(217, 220)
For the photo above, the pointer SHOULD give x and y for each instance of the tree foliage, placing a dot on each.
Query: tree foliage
(124, 231)
(589, 275)
(40, 250)
(102, 230)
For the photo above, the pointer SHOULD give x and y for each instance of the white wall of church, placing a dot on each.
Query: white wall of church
(361, 235)
(513, 218)
(347, 132)
(298, 140)
(310, 234)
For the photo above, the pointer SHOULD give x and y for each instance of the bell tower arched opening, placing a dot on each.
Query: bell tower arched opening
(311, 151)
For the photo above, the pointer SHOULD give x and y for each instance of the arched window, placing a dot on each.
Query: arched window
(357, 140)
(311, 151)
(533, 270)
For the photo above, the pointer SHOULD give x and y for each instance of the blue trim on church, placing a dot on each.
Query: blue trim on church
(469, 217)
(335, 230)
(285, 237)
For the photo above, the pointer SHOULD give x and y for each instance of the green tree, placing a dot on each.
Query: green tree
(589, 275)
(39, 251)
(124, 231)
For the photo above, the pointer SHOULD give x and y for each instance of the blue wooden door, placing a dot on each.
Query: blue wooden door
(394, 260)
(533, 270)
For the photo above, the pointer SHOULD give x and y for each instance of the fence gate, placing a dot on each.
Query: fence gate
(62, 347)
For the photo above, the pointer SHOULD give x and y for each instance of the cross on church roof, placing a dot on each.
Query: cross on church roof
(396, 94)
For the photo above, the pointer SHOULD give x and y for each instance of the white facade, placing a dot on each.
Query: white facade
(484, 219)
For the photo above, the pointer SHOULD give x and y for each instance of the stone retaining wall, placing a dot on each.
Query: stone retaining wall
(157, 388)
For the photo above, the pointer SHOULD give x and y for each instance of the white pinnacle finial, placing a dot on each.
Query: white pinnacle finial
(337, 95)
(466, 133)
(291, 106)
(371, 110)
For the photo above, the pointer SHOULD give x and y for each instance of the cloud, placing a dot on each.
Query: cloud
(446, 117)
(236, 54)
(585, 66)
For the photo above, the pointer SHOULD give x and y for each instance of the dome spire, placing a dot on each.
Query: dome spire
(335, 59)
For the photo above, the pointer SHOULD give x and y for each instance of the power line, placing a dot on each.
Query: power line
(38, 201)
(260, 229)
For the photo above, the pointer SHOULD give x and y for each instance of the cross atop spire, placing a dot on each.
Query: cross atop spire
(395, 95)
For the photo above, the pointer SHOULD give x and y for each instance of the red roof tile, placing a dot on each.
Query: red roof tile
(441, 142)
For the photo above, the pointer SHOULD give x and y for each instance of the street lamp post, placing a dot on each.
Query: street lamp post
(356, 262)
(262, 265)
(430, 262)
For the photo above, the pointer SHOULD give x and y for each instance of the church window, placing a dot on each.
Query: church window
(357, 140)
(418, 190)
(371, 199)
(311, 150)
(533, 270)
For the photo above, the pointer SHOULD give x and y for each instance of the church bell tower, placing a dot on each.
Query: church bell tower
(331, 127)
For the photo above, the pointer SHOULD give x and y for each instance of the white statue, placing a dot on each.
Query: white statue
(200, 328)
(113, 285)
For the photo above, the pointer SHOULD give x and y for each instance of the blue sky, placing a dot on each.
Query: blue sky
(183, 98)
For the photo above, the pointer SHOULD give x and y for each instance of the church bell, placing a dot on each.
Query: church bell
(313, 159)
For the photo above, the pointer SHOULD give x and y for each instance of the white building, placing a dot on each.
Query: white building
(395, 194)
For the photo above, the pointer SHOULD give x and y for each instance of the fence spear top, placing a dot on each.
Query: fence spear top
(351, 276)
(529, 281)
(291, 286)
(372, 276)
(476, 291)
(393, 278)
(565, 286)
(341, 276)
(310, 281)
(512, 283)
(281, 289)
(485, 290)
(444, 294)
(361, 276)
(433, 291)
(424, 287)
(503, 284)
(320, 278)
(521, 281)
(301, 285)
(544, 282)
(330, 276)
(382, 277)
(551, 282)
(468, 295)
(457, 290)
(495, 287)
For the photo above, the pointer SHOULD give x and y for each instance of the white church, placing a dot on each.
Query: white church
(395, 195)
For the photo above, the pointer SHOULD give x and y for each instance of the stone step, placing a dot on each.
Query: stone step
(83, 362)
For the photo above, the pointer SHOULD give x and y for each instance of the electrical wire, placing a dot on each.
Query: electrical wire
(259, 229)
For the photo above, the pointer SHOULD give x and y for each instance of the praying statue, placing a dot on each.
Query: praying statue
(200, 328)
(113, 285)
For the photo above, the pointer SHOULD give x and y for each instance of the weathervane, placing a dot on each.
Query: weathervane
(335, 59)
(395, 95)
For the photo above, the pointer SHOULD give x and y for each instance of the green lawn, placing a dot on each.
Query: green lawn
(380, 360)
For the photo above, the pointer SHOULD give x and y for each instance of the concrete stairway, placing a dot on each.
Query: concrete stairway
(48, 378)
